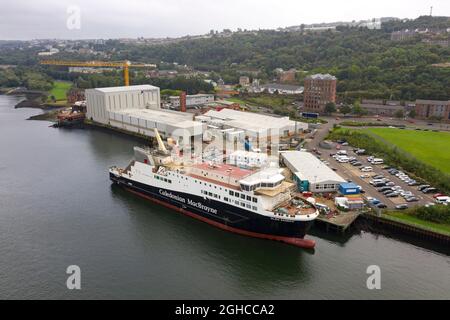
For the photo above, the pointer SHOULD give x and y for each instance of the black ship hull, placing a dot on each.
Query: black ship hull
(222, 215)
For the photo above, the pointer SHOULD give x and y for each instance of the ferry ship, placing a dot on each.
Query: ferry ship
(256, 202)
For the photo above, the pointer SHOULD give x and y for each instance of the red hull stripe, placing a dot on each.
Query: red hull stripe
(302, 243)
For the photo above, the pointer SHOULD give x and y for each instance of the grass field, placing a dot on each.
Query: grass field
(60, 89)
(430, 147)
(237, 100)
(265, 100)
(409, 219)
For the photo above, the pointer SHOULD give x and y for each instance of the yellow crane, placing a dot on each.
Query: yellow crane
(125, 65)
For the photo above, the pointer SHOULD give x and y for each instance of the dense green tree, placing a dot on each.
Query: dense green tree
(358, 110)
(345, 109)
(330, 107)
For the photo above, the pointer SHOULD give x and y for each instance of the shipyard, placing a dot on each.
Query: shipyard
(341, 200)
(209, 152)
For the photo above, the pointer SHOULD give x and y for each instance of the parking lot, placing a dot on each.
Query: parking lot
(354, 173)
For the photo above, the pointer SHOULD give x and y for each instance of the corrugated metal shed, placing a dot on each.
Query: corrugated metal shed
(308, 168)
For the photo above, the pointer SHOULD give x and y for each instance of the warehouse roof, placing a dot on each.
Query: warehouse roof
(127, 88)
(250, 120)
(173, 118)
(307, 167)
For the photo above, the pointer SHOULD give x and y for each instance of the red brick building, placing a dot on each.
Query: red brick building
(319, 90)
(426, 109)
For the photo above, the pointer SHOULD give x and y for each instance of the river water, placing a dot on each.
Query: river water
(58, 208)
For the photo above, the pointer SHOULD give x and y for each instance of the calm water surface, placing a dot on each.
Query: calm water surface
(58, 208)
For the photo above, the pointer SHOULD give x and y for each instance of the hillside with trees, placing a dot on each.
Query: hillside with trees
(367, 63)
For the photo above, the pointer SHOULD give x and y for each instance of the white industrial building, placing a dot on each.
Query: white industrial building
(137, 109)
(253, 124)
(310, 173)
(175, 124)
(192, 100)
(100, 101)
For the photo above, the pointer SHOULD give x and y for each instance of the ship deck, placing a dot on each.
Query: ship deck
(223, 184)
(297, 206)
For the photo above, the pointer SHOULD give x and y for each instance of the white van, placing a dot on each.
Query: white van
(342, 159)
(377, 161)
(443, 199)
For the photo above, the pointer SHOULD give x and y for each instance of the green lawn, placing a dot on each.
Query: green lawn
(237, 100)
(60, 89)
(409, 219)
(430, 147)
(265, 100)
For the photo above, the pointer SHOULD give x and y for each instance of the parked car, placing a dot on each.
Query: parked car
(380, 176)
(392, 195)
(438, 195)
(379, 184)
(390, 184)
(365, 175)
(412, 183)
(423, 186)
(429, 190)
(382, 189)
(357, 164)
(366, 169)
(381, 205)
(402, 206)
(406, 194)
(411, 199)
